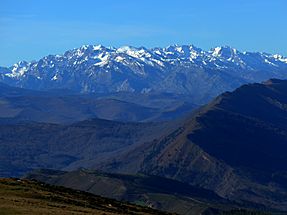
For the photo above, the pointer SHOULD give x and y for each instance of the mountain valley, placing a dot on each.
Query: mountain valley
(234, 146)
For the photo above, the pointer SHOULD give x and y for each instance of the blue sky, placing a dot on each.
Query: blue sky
(31, 29)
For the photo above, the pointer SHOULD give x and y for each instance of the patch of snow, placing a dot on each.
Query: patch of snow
(267, 61)
(280, 58)
(158, 52)
(17, 71)
(146, 61)
(179, 49)
(119, 59)
(193, 55)
(98, 47)
(125, 86)
(160, 63)
(133, 52)
(55, 77)
(216, 51)
(104, 60)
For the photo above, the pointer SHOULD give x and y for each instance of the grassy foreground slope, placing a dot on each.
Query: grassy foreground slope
(30, 197)
(156, 192)
(159, 193)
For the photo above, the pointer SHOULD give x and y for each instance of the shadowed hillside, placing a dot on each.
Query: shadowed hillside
(234, 146)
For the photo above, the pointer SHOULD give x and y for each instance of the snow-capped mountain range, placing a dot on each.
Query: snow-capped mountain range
(175, 69)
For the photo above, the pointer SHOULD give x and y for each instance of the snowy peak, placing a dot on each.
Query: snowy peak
(280, 58)
(136, 59)
(180, 69)
(225, 52)
(184, 52)
(134, 52)
(19, 69)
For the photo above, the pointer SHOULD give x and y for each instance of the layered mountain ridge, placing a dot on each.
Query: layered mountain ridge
(234, 146)
(57, 106)
(175, 69)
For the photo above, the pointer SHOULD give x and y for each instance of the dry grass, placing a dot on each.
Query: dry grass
(27, 197)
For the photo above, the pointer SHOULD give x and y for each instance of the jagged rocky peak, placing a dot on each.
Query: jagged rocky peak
(134, 52)
(87, 51)
(280, 58)
(22, 63)
(18, 69)
(182, 51)
(180, 69)
(224, 52)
